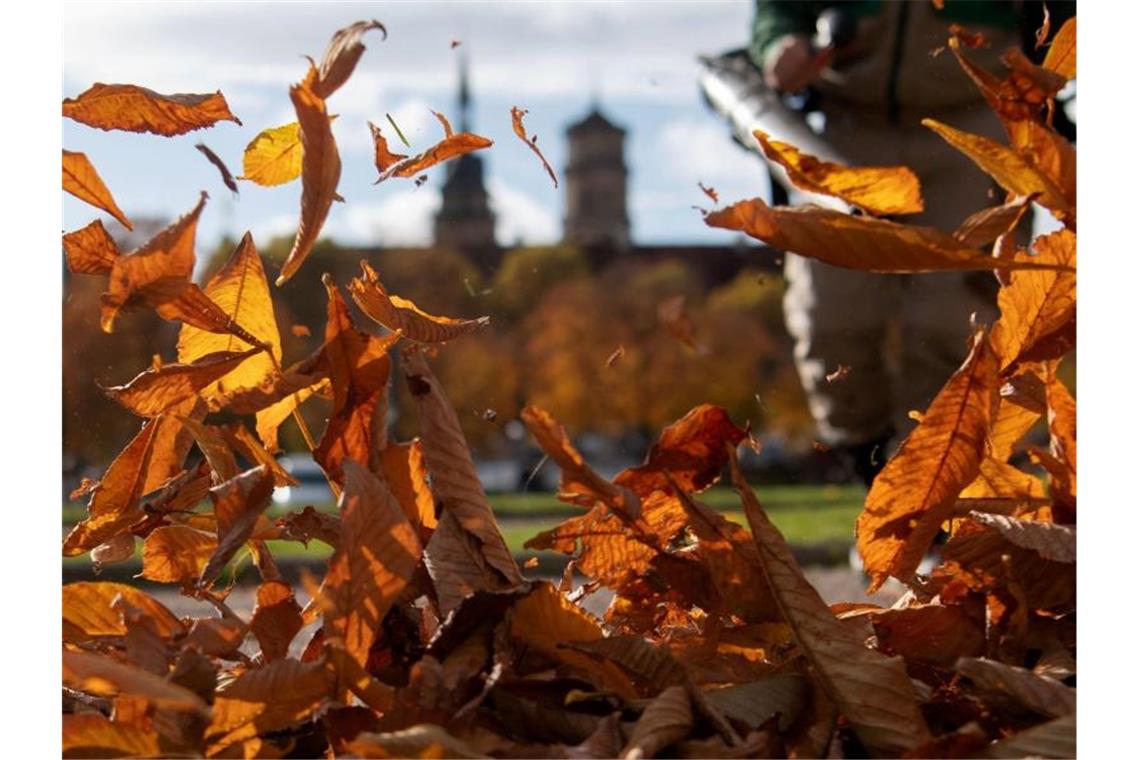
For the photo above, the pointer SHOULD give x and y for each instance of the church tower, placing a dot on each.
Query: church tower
(465, 221)
(596, 184)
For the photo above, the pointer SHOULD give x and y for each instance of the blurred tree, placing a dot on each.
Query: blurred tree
(526, 274)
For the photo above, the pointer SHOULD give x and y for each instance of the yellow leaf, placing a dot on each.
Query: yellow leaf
(274, 156)
(879, 190)
(1038, 304)
(1062, 55)
(155, 391)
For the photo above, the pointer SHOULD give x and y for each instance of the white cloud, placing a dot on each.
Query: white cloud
(404, 218)
(520, 218)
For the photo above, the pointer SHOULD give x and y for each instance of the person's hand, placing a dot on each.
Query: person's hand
(789, 65)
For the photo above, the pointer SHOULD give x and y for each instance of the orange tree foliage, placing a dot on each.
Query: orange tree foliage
(425, 639)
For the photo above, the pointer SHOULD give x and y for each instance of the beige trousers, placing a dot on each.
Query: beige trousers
(844, 317)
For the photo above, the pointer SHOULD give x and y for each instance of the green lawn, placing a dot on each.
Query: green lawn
(804, 514)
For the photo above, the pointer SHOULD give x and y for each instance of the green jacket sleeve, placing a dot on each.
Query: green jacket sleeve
(775, 18)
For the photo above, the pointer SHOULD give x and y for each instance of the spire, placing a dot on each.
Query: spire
(464, 95)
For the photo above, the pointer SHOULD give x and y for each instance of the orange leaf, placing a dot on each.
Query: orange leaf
(238, 503)
(100, 675)
(854, 242)
(879, 190)
(93, 735)
(916, 491)
(1037, 305)
(376, 557)
(385, 159)
(872, 690)
(320, 170)
(1010, 169)
(986, 226)
(137, 109)
(1022, 95)
(272, 697)
(402, 465)
(454, 481)
(81, 180)
(276, 619)
(455, 562)
(155, 391)
(87, 611)
(342, 55)
(1062, 55)
(90, 250)
(517, 115)
(397, 313)
(176, 554)
(451, 146)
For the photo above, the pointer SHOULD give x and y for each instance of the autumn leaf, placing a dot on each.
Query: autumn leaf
(1056, 543)
(87, 612)
(137, 109)
(103, 676)
(220, 165)
(93, 735)
(1008, 168)
(266, 699)
(1062, 55)
(454, 481)
(1020, 96)
(931, 633)
(451, 146)
(276, 619)
(668, 718)
(1041, 694)
(871, 689)
(879, 190)
(81, 180)
(176, 554)
(517, 115)
(455, 562)
(238, 503)
(854, 242)
(385, 159)
(915, 492)
(90, 250)
(1038, 305)
(155, 391)
(320, 168)
(274, 156)
(397, 313)
(403, 469)
(376, 557)
(986, 226)
(1056, 739)
(342, 55)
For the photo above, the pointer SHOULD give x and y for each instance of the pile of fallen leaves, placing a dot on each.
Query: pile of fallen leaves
(424, 638)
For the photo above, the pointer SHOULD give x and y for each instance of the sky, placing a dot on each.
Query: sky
(638, 60)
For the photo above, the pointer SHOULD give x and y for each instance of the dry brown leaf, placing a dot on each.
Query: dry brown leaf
(276, 619)
(932, 633)
(238, 503)
(455, 563)
(454, 481)
(451, 146)
(90, 250)
(220, 165)
(854, 242)
(1010, 169)
(88, 735)
(320, 170)
(916, 491)
(265, 699)
(1062, 55)
(384, 158)
(1055, 739)
(1041, 694)
(176, 554)
(1057, 543)
(986, 226)
(397, 313)
(308, 524)
(873, 691)
(1038, 305)
(878, 190)
(424, 740)
(376, 557)
(667, 719)
(137, 109)
(1022, 95)
(342, 55)
(87, 611)
(754, 703)
(1062, 415)
(155, 391)
(102, 676)
(403, 469)
(517, 115)
(81, 180)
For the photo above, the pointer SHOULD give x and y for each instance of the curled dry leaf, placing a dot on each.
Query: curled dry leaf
(872, 690)
(136, 109)
(90, 250)
(87, 611)
(342, 55)
(517, 115)
(238, 503)
(385, 159)
(155, 391)
(81, 180)
(320, 169)
(220, 165)
(878, 190)
(667, 719)
(421, 740)
(1022, 95)
(451, 146)
(915, 493)
(103, 676)
(1041, 694)
(454, 481)
(397, 313)
(1057, 543)
(855, 242)
(710, 192)
(985, 226)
